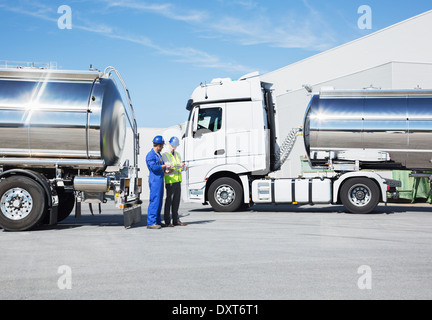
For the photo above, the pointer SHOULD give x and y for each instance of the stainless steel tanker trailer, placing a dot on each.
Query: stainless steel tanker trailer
(62, 134)
(375, 128)
(353, 139)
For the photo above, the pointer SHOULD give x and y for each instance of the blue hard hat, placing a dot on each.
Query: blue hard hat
(159, 140)
(175, 142)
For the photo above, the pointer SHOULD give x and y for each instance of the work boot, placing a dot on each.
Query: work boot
(167, 225)
(154, 227)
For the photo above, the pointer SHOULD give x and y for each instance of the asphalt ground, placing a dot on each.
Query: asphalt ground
(264, 253)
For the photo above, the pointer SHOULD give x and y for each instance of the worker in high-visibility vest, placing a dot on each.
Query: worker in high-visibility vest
(173, 179)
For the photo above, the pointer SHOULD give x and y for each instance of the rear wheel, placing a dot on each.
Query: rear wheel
(360, 195)
(22, 203)
(225, 195)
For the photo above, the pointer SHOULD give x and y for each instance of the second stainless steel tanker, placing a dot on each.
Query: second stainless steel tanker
(371, 126)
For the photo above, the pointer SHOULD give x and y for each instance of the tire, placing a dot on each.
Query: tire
(360, 195)
(225, 195)
(66, 204)
(22, 203)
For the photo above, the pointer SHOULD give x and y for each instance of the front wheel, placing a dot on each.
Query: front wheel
(22, 203)
(360, 195)
(225, 195)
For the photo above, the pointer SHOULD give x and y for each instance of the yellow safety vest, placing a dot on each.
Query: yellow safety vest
(175, 161)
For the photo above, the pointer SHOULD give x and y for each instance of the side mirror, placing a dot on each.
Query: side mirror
(195, 121)
(195, 126)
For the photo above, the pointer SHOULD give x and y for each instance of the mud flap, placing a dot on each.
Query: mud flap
(53, 216)
(132, 215)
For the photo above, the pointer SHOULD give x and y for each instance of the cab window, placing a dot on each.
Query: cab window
(209, 120)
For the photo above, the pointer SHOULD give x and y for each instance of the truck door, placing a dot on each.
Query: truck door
(205, 141)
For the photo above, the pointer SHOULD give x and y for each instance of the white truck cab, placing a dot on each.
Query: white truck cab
(226, 140)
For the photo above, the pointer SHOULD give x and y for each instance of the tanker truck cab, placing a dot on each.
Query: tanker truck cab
(226, 141)
(232, 146)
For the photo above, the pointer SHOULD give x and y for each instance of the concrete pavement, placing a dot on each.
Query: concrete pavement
(267, 252)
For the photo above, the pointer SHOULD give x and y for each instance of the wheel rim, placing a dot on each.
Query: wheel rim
(16, 204)
(225, 195)
(360, 195)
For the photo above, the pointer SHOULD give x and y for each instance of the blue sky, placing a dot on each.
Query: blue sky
(164, 49)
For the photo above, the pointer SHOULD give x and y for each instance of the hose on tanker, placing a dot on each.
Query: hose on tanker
(287, 146)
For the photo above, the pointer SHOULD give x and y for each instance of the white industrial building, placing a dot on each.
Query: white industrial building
(397, 57)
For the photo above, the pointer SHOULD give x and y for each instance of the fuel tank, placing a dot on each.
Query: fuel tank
(373, 126)
(60, 114)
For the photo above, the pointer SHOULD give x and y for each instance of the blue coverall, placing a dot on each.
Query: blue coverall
(156, 183)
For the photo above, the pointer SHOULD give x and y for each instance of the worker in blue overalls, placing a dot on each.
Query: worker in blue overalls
(157, 169)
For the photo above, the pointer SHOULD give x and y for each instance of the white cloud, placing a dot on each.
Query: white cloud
(245, 4)
(34, 9)
(187, 55)
(167, 10)
(259, 26)
(307, 30)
